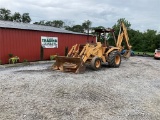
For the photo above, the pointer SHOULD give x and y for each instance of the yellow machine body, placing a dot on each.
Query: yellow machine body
(93, 54)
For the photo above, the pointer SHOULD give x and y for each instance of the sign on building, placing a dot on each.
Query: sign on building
(49, 42)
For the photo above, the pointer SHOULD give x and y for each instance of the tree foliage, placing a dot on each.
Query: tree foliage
(26, 18)
(17, 17)
(146, 41)
(54, 23)
(83, 28)
(76, 28)
(116, 27)
(87, 25)
(6, 15)
(42, 22)
(58, 23)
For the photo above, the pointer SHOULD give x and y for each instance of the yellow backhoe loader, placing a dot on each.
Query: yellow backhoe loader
(94, 54)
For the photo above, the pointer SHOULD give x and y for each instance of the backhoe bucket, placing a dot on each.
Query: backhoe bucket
(127, 54)
(69, 64)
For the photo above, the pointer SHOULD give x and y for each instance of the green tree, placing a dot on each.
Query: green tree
(116, 27)
(157, 41)
(5, 14)
(17, 17)
(57, 23)
(48, 23)
(68, 28)
(150, 40)
(87, 25)
(42, 22)
(136, 39)
(76, 28)
(26, 18)
(54, 23)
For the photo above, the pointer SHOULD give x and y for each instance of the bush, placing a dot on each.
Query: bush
(25, 61)
(52, 57)
(14, 59)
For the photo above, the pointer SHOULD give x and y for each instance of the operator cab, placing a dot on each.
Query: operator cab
(102, 35)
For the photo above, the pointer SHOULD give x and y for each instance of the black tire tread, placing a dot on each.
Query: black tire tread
(111, 58)
(93, 63)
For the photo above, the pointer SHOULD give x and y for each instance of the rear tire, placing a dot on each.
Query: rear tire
(96, 63)
(114, 59)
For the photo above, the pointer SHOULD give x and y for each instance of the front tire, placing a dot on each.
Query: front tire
(96, 63)
(114, 59)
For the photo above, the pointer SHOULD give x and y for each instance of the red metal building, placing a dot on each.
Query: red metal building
(24, 41)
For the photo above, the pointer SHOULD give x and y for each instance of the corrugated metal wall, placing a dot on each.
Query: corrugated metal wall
(27, 44)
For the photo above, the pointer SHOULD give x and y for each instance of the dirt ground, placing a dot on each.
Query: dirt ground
(130, 92)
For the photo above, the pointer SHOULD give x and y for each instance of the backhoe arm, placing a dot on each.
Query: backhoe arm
(123, 34)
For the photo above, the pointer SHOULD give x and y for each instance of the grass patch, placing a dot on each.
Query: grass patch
(144, 53)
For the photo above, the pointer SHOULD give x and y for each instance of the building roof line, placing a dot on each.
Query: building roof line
(27, 26)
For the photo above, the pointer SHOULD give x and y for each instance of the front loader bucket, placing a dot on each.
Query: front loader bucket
(127, 54)
(69, 64)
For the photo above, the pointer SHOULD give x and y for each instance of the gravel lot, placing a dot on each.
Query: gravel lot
(130, 92)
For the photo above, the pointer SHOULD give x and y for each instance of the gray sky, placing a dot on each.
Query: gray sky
(142, 14)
